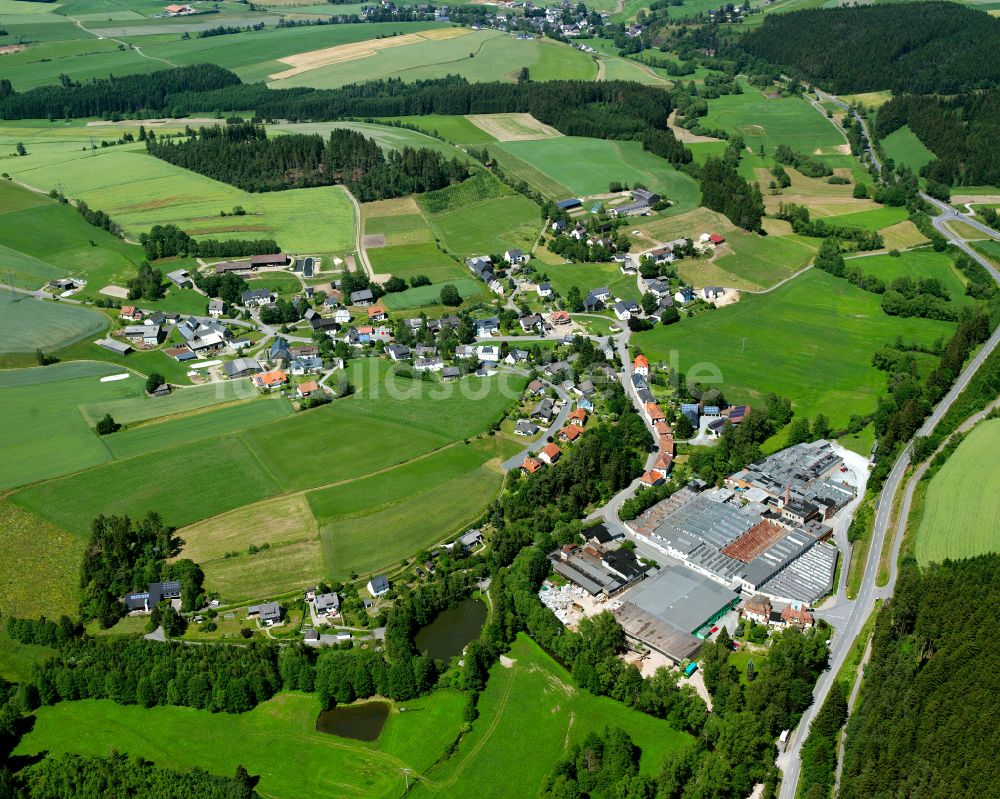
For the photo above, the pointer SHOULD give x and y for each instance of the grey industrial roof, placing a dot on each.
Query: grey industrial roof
(807, 578)
(682, 597)
(657, 633)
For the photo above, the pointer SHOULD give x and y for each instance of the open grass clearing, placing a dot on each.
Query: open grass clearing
(218, 475)
(752, 261)
(140, 191)
(186, 429)
(277, 740)
(453, 128)
(184, 400)
(43, 434)
(408, 260)
(513, 127)
(875, 219)
(586, 166)
(528, 715)
(275, 570)
(810, 340)
(916, 264)
(590, 276)
(538, 180)
(963, 501)
(27, 324)
(903, 147)
(279, 520)
(902, 235)
(489, 226)
(362, 545)
(387, 136)
(39, 570)
(424, 296)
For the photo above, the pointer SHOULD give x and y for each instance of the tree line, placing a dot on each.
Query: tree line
(166, 241)
(926, 722)
(925, 48)
(242, 154)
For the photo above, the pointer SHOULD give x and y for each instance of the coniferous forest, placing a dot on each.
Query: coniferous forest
(927, 721)
(242, 154)
(962, 131)
(906, 47)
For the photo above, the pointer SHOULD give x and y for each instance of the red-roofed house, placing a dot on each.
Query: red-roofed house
(307, 388)
(130, 312)
(560, 318)
(715, 238)
(377, 313)
(667, 444)
(571, 432)
(531, 465)
(662, 429)
(550, 453)
(654, 413)
(664, 462)
(641, 365)
(797, 617)
(651, 479)
(275, 377)
(579, 415)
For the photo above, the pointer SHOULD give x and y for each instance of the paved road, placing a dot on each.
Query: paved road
(951, 214)
(557, 424)
(790, 761)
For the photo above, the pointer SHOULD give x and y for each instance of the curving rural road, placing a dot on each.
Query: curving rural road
(790, 761)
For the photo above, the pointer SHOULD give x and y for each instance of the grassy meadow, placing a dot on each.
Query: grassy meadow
(528, 714)
(27, 324)
(903, 147)
(963, 499)
(916, 264)
(810, 340)
(277, 740)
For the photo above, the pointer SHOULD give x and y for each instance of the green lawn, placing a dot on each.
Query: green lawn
(183, 400)
(753, 261)
(811, 340)
(903, 147)
(528, 715)
(586, 166)
(591, 276)
(27, 324)
(538, 180)
(276, 741)
(453, 128)
(388, 137)
(963, 501)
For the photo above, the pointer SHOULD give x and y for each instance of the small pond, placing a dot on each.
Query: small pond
(362, 722)
(452, 630)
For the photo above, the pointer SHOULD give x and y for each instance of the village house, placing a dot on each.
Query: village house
(544, 290)
(531, 465)
(514, 256)
(216, 308)
(377, 313)
(378, 585)
(523, 427)
(626, 309)
(306, 389)
(487, 327)
(269, 613)
(181, 278)
(362, 298)
(307, 364)
(550, 453)
(327, 604)
(130, 313)
(543, 410)
(272, 379)
(145, 601)
(641, 365)
(570, 433)
(559, 318)
(757, 609)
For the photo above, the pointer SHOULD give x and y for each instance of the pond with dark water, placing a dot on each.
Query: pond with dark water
(452, 629)
(362, 722)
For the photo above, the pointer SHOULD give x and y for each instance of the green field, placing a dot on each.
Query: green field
(761, 120)
(277, 741)
(917, 264)
(457, 129)
(484, 55)
(43, 434)
(388, 137)
(590, 276)
(140, 191)
(811, 340)
(586, 166)
(184, 400)
(424, 296)
(42, 240)
(155, 436)
(27, 324)
(408, 260)
(489, 226)
(528, 715)
(869, 220)
(903, 147)
(963, 501)
(39, 570)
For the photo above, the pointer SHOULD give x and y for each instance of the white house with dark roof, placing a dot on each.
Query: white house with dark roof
(378, 585)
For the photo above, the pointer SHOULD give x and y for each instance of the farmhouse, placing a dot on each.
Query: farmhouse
(362, 298)
(241, 367)
(377, 313)
(256, 298)
(275, 259)
(179, 11)
(641, 365)
(514, 256)
(145, 601)
(130, 313)
(181, 278)
(544, 290)
(147, 335)
(307, 388)
(269, 613)
(642, 202)
(216, 308)
(378, 585)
